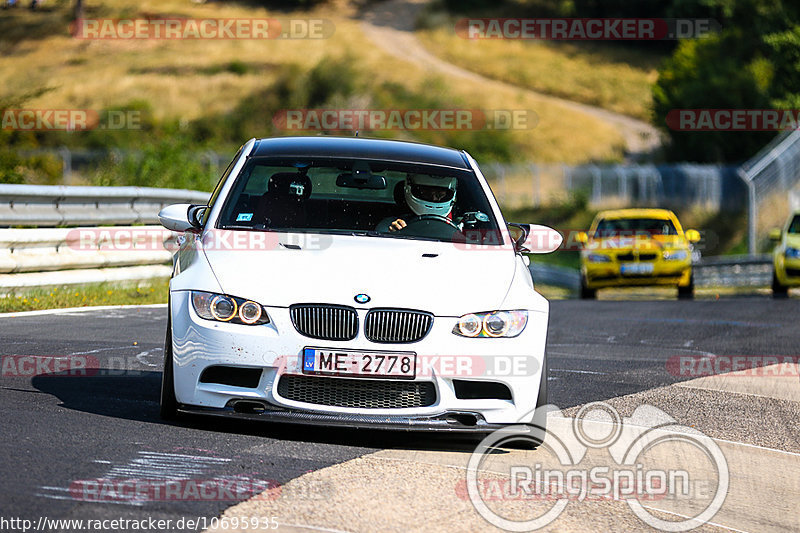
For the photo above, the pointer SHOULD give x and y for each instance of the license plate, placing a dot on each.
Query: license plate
(633, 269)
(397, 365)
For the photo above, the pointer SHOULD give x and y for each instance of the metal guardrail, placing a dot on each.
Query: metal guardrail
(719, 271)
(36, 257)
(50, 206)
(52, 255)
(734, 271)
(557, 276)
(67, 256)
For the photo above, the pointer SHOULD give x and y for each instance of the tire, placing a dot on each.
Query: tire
(587, 293)
(169, 403)
(778, 290)
(687, 292)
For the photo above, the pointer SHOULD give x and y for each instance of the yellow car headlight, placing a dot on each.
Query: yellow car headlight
(598, 258)
(675, 255)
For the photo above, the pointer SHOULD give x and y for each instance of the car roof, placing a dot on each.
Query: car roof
(637, 213)
(360, 147)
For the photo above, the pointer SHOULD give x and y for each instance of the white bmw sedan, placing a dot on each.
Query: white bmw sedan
(355, 282)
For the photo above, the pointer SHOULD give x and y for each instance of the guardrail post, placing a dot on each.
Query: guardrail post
(66, 164)
(597, 185)
(752, 212)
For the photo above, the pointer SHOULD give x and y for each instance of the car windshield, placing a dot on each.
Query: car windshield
(794, 227)
(361, 197)
(616, 227)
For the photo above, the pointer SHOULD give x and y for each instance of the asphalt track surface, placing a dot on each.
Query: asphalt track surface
(57, 430)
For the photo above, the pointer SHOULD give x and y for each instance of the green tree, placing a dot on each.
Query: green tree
(752, 63)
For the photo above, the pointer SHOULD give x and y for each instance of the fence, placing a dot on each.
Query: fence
(776, 168)
(708, 186)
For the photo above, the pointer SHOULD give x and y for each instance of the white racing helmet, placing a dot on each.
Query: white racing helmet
(430, 195)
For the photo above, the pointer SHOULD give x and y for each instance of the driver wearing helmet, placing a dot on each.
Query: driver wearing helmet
(425, 195)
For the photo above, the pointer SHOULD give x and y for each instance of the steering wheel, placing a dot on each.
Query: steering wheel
(420, 219)
(430, 226)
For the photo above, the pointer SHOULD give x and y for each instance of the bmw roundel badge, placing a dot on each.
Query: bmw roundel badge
(362, 298)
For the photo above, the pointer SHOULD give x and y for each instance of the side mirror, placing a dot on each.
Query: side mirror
(582, 237)
(692, 235)
(775, 234)
(182, 217)
(534, 239)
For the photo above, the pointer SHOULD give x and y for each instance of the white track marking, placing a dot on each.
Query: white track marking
(699, 522)
(140, 357)
(314, 528)
(149, 466)
(71, 310)
(577, 371)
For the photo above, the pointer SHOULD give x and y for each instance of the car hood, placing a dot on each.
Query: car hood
(443, 278)
(638, 243)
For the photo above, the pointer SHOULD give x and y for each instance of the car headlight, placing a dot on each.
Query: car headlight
(675, 255)
(598, 258)
(224, 308)
(792, 253)
(491, 324)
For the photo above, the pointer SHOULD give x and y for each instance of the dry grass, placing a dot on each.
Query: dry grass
(612, 79)
(186, 79)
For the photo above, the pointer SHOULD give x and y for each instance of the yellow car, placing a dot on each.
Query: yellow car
(636, 247)
(786, 257)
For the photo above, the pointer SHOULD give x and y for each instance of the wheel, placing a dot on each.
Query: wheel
(169, 404)
(778, 290)
(586, 292)
(687, 292)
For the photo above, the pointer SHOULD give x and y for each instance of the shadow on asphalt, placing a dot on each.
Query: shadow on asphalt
(135, 397)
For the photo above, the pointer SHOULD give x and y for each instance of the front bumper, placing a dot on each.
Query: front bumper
(271, 348)
(787, 270)
(601, 275)
(452, 422)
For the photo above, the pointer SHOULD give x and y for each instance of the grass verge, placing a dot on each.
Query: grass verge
(152, 292)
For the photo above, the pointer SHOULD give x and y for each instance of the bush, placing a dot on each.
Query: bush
(168, 164)
(43, 169)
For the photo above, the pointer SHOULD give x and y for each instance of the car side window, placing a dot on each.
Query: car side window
(794, 227)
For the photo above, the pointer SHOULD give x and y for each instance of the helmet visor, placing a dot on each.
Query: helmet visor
(432, 193)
